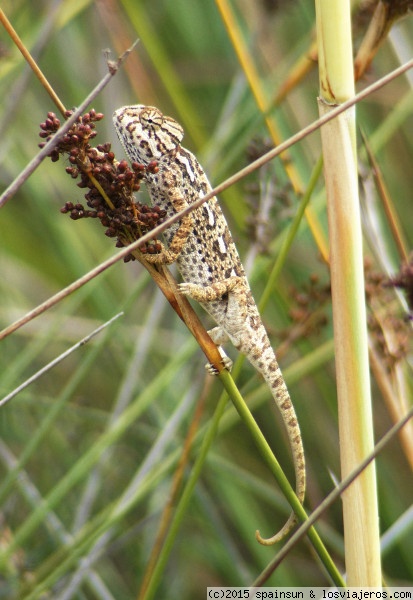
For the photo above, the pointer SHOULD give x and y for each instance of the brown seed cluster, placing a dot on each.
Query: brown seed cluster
(111, 184)
(404, 280)
(389, 328)
(308, 311)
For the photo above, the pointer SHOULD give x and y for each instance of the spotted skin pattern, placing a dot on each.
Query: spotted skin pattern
(202, 246)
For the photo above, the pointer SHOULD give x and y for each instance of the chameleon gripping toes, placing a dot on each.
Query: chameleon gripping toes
(206, 256)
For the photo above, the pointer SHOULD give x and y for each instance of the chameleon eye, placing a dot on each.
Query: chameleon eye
(151, 117)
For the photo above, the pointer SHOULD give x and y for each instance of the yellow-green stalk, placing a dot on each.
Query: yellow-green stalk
(361, 531)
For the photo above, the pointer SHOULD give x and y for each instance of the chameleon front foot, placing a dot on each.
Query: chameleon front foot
(163, 257)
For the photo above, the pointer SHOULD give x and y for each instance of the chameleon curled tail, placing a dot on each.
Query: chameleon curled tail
(267, 365)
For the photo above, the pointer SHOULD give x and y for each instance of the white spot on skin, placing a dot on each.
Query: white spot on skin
(188, 167)
(153, 148)
(211, 217)
(222, 245)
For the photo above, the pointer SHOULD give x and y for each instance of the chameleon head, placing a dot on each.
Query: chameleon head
(145, 133)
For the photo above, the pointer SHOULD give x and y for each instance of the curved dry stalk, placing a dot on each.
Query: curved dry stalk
(385, 15)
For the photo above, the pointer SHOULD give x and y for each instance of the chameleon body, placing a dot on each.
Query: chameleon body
(206, 256)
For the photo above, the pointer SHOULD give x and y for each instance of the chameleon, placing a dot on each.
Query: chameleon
(207, 259)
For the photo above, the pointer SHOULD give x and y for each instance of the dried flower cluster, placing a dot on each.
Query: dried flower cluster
(404, 280)
(308, 311)
(110, 183)
(390, 330)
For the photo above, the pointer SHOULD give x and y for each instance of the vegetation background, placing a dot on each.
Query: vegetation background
(88, 452)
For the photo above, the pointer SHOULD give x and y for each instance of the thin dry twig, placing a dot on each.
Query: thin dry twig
(178, 216)
(57, 360)
(46, 150)
(30, 60)
(329, 501)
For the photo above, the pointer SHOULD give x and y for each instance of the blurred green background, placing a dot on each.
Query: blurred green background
(104, 429)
